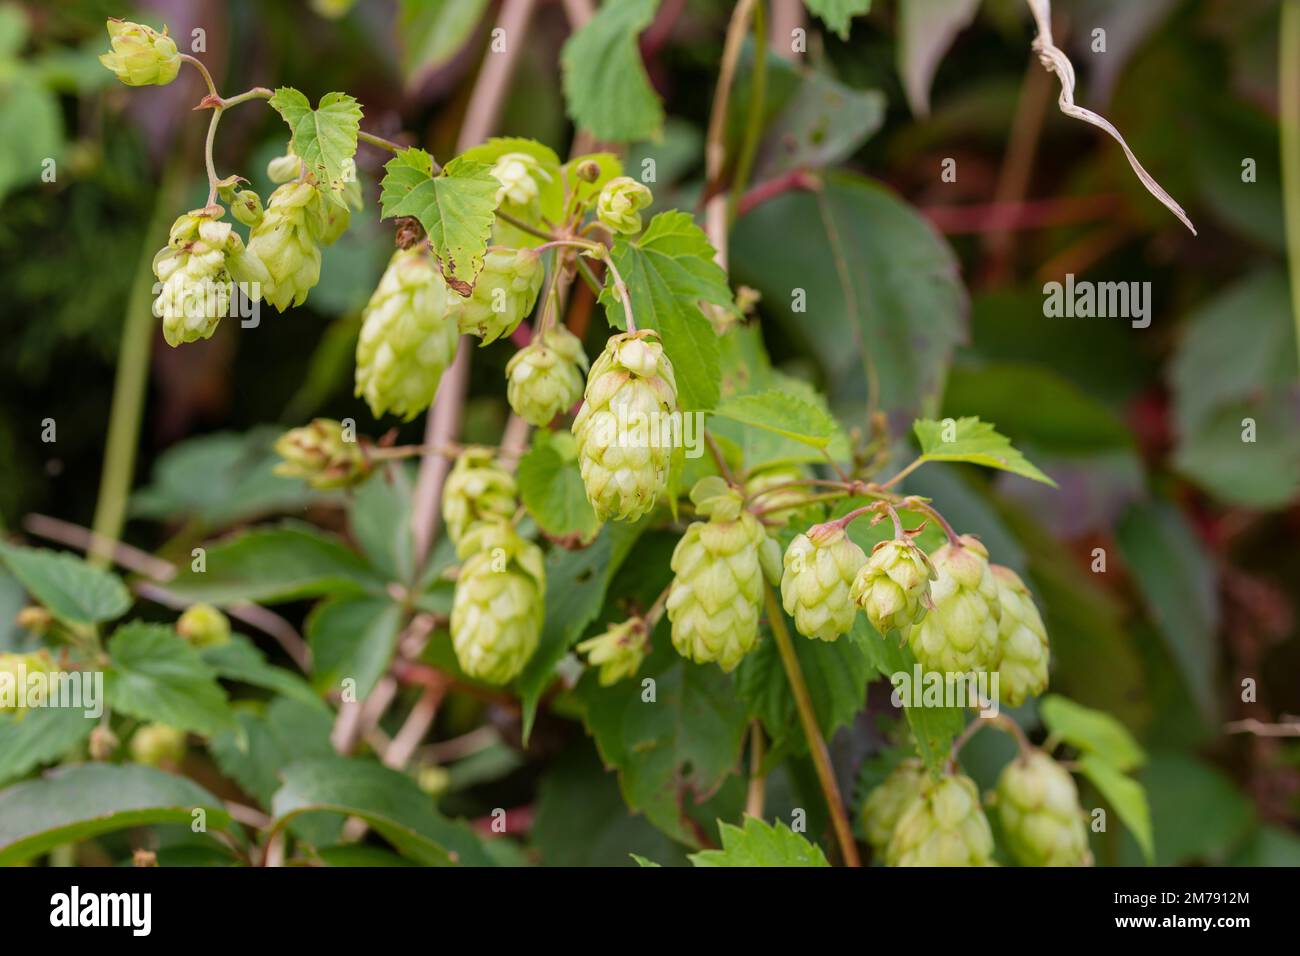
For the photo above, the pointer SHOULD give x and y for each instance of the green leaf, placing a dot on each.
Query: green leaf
(283, 563)
(606, 87)
(432, 32)
(644, 863)
(836, 14)
(1178, 583)
(352, 638)
(39, 736)
(13, 30)
(974, 441)
(1198, 812)
(240, 660)
(254, 752)
(457, 209)
(1125, 795)
(783, 413)
(576, 584)
(325, 138)
(551, 488)
(926, 28)
(669, 270)
(31, 127)
(380, 520)
(821, 123)
(1091, 731)
(760, 844)
(679, 748)
(390, 802)
(882, 304)
(79, 802)
(68, 587)
(155, 675)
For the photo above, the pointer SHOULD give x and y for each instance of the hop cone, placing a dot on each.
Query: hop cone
(1038, 804)
(885, 804)
(204, 626)
(408, 336)
(496, 615)
(718, 587)
(202, 259)
(521, 177)
(619, 651)
(959, 635)
(503, 295)
(1022, 640)
(620, 203)
(620, 429)
(285, 242)
(14, 669)
(781, 505)
(943, 826)
(140, 55)
(478, 489)
(156, 744)
(322, 455)
(545, 378)
(284, 168)
(819, 568)
(894, 585)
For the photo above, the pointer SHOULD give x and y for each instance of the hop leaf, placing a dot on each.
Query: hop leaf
(325, 138)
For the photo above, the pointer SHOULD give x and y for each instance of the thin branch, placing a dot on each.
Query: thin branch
(715, 144)
(1287, 728)
(757, 793)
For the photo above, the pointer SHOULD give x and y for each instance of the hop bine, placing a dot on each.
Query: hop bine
(497, 612)
(943, 826)
(545, 377)
(1038, 805)
(819, 569)
(623, 456)
(1022, 640)
(959, 635)
(408, 336)
(504, 293)
(323, 455)
(885, 804)
(477, 489)
(714, 601)
(893, 587)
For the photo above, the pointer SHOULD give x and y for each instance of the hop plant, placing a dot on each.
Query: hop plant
(718, 585)
(140, 55)
(819, 568)
(621, 454)
(959, 635)
(197, 268)
(322, 454)
(284, 168)
(283, 240)
(15, 694)
(780, 505)
(620, 203)
(478, 489)
(504, 293)
(158, 744)
(885, 804)
(521, 177)
(944, 825)
(893, 587)
(1022, 640)
(619, 651)
(1038, 805)
(496, 614)
(246, 206)
(408, 336)
(545, 377)
(204, 626)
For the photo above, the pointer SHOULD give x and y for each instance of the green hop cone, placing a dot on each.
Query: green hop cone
(885, 804)
(718, 585)
(408, 336)
(521, 177)
(204, 626)
(546, 377)
(819, 569)
(504, 293)
(620, 203)
(477, 489)
(893, 587)
(246, 206)
(1022, 640)
(944, 825)
(284, 168)
(197, 271)
(619, 651)
(496, 614)
(1038, 805)
(959, 634)
(622, 427)
(140, 55)
(16, 694)
(323, 454)
(782, 504)
(157, 745)
(285, 243)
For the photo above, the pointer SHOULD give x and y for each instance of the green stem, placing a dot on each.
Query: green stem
(1289, 122)
(754, 118)
(808, 717)
(129, 386)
